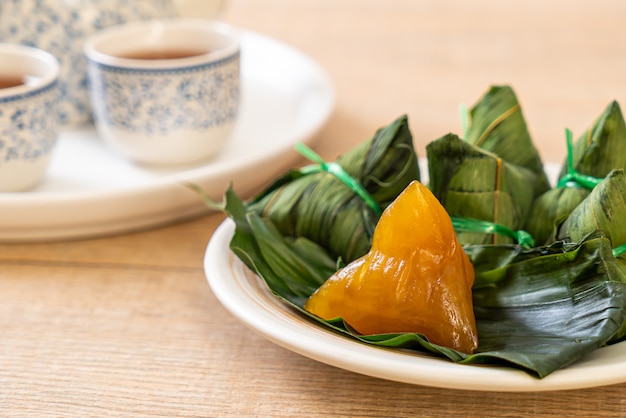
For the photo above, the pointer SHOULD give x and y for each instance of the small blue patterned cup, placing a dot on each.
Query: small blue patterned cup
(28, 115)
(61, 26)
(165, 91)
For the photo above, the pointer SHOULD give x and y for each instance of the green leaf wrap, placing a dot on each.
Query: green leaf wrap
(497, 125)
(604, 209)
(602, 147)
(320, 207)
(474, 183)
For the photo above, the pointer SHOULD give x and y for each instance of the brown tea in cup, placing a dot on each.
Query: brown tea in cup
(163, 54)
(14, 80)
(7, 81)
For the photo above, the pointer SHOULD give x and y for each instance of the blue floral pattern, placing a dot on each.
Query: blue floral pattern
(158, 102)
(28, 125)
(61, 26)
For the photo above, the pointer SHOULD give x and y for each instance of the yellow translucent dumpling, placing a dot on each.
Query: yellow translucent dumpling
(416, 278)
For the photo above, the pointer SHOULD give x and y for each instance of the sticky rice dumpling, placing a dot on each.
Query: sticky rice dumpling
(599, 150)
(473, 183)
(416, 278)
(497, 124)
(604, 209)
(318, 206)
(602, 147)
(550, 206)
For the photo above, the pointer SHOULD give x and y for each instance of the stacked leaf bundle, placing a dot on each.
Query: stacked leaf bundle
(297, 231)
(310, 222)
(313, 203)
(599, 151)
(494, 173)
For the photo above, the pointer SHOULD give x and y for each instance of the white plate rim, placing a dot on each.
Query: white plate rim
(245, 296)
(121, 217)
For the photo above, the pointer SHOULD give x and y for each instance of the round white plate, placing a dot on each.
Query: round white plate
(247, 297)
(89, 190)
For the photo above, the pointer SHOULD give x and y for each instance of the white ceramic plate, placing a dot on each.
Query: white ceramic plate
(89, 190)
(247, 297)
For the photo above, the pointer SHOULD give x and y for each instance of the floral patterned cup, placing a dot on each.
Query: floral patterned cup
(60, 27)
(165, 91)
(28, 119)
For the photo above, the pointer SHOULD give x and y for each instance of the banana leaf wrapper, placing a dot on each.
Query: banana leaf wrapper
(604, 209)
(497, 124)
(537, 309)
(473, 183)
(555, 292)
(549, 207)
(321, 208)
(602, 147)
(599, 150)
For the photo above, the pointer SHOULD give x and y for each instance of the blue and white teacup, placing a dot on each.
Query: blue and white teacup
(165, 91)
(60, 27)
(28, 119)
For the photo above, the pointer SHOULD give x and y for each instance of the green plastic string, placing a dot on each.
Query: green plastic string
(573, 178)
(338, 171)
(617, 251)
(522, 237)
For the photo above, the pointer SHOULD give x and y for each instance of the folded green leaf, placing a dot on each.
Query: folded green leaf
(498, 125)
(320, 207)
(566, 298)
(550, 207)
(604, 209)
(602, 147)
(473, 183)
(292, 267)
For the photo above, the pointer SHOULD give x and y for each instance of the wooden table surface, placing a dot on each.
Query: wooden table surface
(127, 325)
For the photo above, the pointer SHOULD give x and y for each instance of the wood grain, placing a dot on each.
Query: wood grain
(128, 326)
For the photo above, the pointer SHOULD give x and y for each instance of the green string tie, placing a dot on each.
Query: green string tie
(338, 171)
(617, 251)
(522, 237)
(573, 178)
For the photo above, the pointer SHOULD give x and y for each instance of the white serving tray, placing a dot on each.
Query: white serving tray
(89, 190)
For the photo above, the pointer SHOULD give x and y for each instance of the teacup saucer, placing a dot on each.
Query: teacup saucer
(89, 190)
